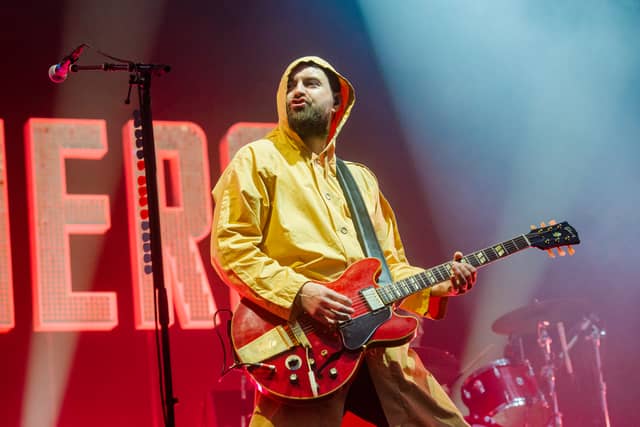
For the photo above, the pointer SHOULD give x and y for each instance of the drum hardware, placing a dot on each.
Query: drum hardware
(524, 320)
(537, 318)
(548, 370)
(596, 334)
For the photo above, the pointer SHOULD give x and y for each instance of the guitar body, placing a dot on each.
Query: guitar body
(332, 355)
(303, 359)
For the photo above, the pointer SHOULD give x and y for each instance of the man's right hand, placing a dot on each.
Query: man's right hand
(324, 304)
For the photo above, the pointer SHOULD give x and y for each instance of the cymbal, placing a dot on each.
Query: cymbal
(525, 319)
(442, 364)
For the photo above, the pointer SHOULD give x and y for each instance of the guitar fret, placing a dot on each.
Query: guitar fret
(444, 271)
(421, 281)
(405, 287)
(510, 247)
(436, 274)
(409, 285)
(440, 273)
(482, 257)
(430, 277)
(386, 295)
(478, 261)
(468, 260)
(415, 287)
(500, 250)
(397, 292)
(491, 254)
(425, 282)
(521, 242)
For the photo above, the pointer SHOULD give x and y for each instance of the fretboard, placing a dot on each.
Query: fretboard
(396, 291)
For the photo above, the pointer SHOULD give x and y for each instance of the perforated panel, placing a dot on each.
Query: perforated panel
(54, 215)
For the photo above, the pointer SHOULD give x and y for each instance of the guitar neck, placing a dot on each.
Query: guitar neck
(393, 292)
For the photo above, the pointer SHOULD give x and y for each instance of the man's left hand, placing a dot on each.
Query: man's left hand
(463, 278)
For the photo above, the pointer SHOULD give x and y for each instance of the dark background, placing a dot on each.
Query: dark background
(227, 57)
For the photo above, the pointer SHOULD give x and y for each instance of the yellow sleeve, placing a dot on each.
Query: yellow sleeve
(242, 203)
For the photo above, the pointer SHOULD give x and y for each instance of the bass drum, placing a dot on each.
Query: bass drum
(507, 394)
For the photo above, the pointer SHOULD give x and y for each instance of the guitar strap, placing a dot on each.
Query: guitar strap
(361, 220)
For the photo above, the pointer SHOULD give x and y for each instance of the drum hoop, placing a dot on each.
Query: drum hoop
(499, 362)
(517, 402)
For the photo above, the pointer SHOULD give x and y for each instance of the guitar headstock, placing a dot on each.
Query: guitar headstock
(554, 236)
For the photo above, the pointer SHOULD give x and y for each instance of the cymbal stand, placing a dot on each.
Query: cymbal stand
(594, 337)
(548, 370)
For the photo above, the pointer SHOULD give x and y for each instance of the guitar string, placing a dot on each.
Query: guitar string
(439, 271)
(308, 327)
(511, 247)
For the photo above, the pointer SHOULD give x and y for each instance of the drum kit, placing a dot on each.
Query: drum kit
(508, 392)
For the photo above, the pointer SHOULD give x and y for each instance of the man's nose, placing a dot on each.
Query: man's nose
(298, 89)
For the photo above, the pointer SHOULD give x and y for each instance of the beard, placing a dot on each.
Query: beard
(311, 121)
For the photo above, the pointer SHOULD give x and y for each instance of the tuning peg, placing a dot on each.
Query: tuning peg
(571, 250)
(552, 222)
(561, 251)
(551, 254)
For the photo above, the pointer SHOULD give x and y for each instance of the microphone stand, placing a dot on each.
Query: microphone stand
(141, 77)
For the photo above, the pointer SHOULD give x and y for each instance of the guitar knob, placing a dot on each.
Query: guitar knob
(333, 373)
(293, 378)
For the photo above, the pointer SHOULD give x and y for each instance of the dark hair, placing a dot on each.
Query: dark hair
(334, 80)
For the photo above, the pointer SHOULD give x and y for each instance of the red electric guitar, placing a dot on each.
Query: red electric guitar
(303, 359)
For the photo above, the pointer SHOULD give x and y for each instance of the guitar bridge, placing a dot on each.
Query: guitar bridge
(270, 344)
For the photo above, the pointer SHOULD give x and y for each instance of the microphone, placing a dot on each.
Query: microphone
(565, 348)
(58, 72)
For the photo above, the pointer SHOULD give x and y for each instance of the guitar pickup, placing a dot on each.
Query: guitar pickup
(372, 298)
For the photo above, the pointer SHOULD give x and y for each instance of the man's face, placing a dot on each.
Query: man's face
(310, 101)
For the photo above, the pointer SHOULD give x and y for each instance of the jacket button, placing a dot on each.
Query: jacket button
(344, 230)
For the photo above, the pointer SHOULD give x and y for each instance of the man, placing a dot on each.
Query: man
(282, 227)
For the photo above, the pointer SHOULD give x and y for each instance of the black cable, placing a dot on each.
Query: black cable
(106, 55)
(225, 370)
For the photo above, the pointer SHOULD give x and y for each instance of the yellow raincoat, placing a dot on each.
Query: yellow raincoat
(280, 221)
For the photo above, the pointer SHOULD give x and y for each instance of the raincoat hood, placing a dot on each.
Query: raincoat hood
(339, 118)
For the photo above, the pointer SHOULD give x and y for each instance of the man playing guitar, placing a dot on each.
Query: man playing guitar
(282, 230)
